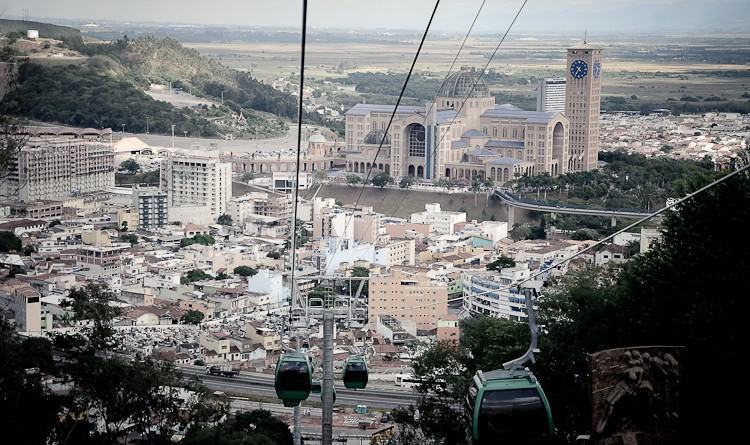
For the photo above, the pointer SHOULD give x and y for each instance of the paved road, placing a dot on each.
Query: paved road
(255, 384)
(512, 201)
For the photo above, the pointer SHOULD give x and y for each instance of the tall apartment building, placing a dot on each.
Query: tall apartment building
(550, 95)
(407, 294)
(197, 181)
(152, 208)
(582, 104)
(58, 163)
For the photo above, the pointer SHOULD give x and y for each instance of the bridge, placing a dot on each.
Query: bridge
(514, 202)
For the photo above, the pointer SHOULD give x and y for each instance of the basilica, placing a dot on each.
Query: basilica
(462, 135)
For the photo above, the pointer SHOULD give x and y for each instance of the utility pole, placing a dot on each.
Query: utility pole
(297, 435)
(173, 125)
(147, 125)
(327, 389)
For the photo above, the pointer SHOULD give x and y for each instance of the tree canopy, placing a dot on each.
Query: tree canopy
(244, 271)
(683, 291)
(109, 398)
(381, 180)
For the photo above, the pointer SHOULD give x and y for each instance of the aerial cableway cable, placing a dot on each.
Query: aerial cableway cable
(387, 128)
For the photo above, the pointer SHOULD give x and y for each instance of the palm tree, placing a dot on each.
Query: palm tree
(476, 185)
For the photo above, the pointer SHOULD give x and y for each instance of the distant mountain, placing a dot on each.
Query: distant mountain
(70, 36)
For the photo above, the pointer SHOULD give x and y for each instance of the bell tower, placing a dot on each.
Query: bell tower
(582, 104)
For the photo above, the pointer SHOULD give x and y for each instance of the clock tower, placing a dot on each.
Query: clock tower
(582, 103)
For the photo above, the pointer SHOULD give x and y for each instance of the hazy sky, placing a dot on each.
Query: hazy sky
(598, 16)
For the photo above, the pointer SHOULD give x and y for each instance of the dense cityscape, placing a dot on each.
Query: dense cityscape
(503, 257)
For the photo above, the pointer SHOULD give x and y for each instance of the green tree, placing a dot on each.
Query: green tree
(353, 179)
(255, 427)
(406, 182)
(381, 180)
(110, 399)
(225, 220)
(584, 234)
(274, 254)
(192, 317)
(131, 238)
(245, 271)
(194, 275)
(247, 177)
(205, 240)
(130, 166)
(9, 242)
(501, 263)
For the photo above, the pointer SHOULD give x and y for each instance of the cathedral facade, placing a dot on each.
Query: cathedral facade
(462, 135)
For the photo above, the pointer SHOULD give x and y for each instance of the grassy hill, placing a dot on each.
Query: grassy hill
(70, 36)
(164, 60)
(104, 87)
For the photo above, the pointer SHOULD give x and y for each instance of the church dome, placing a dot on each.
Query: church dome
(317, 137)
(375, 136)
(459, 84)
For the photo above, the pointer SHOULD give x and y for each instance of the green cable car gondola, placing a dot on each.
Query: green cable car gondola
(508, 405)
(293, 378)
(355, 373)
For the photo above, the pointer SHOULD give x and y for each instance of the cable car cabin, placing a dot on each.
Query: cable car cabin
(508, 407)
(355, 373)
(293, 379)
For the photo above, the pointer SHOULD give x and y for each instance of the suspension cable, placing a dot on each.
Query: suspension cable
(303, 43)
(434, 151)
(586, 249)
(388, 127)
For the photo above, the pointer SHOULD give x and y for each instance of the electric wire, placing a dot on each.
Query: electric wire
(440, 141)
(586, 249)
(388, 127)
(303, 44)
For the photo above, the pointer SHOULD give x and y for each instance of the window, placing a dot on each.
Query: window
(416, 140)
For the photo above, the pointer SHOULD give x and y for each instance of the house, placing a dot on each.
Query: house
(268, 338)
(611, 253)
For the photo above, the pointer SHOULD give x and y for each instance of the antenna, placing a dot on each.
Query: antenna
(585, 36)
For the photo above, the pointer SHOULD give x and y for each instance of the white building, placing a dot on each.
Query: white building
(197, 181)
(398, 252)
(441, 221)
(550, 95)
(269, 282)
(494, 230)
(333, 223)
(488, 293)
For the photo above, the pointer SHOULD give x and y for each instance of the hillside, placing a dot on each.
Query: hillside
(164, 60)
(71, 37)
(104, 86)
(83, 97)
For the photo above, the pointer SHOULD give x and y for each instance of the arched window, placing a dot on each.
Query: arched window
(416, 140)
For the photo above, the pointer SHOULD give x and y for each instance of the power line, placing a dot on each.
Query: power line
(388, 127)
(458, 53)
(463, 102)
(598, 243)
(437, 93)
(299, 149)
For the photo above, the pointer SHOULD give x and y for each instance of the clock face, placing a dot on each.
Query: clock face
(579, 69)
(597, 70)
